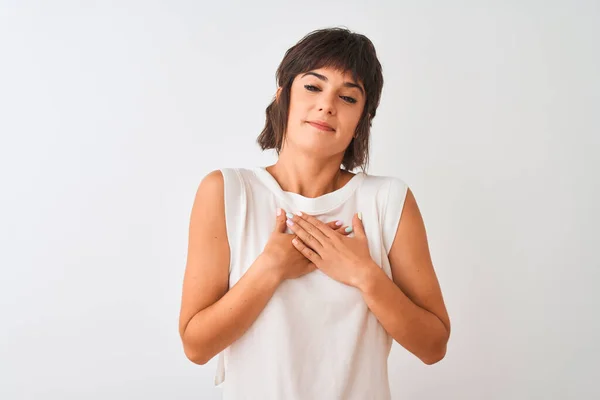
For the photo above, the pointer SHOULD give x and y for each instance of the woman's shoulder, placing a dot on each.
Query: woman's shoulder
(225, 172)
(384, 183)
(233, 180)
(237, 170)
(219, 180)
(385, 189)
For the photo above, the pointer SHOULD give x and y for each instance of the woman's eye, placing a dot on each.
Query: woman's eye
(347, 99)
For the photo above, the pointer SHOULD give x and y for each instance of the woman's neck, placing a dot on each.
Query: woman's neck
(309, 180)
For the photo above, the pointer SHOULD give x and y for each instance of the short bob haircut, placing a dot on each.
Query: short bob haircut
(337, 48)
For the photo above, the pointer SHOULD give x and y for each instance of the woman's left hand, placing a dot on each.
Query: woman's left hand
(345, 259)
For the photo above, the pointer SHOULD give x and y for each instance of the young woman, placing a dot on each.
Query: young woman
(296, 304)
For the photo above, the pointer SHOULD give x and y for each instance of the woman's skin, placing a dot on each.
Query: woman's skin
(410, 306)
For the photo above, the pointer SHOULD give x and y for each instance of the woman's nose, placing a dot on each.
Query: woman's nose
(327, 104)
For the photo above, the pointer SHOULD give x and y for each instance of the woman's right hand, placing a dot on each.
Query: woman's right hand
(283, 257)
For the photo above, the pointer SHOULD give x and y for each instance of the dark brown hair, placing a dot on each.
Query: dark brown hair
(337, 48)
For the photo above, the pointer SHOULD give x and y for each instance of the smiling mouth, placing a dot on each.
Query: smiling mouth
(321, 127)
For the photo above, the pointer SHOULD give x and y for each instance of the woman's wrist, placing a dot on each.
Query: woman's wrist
(270, 267)
(366, 276)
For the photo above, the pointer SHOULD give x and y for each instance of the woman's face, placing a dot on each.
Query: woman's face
(325, 107)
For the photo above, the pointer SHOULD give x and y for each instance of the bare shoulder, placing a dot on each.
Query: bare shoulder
(206, 277)
(208, 211)
(212, 183)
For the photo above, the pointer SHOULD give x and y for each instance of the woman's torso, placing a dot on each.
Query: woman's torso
(316, 338)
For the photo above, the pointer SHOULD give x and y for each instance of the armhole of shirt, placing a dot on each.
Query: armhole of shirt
(234, 198)
(395, 197)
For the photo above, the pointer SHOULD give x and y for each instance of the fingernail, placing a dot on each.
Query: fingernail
(349, 229)
(360, 216)
(289, 215)
(339, 223)
(278, 212)
(289, 222)
(299, 213)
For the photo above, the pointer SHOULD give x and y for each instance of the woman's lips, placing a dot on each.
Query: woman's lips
(321, 127)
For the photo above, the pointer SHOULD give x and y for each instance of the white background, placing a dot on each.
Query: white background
(112, 112)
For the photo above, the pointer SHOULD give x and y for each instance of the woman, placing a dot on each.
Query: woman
(297, 305)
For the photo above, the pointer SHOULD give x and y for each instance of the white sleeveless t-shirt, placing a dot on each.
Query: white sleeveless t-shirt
(316, 338)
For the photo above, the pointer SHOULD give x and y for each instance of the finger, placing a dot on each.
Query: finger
(344, 230)
(307, 252)
(359, 228)
(299, 220)
(335, 224)
(280, 221)
(321, 227)
(339, 227)
(316, 228)
(308, 239)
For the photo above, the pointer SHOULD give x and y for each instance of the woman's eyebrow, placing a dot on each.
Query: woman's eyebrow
(346, 84)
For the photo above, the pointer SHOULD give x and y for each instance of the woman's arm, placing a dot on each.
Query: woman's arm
(411, 307)
(212, 317)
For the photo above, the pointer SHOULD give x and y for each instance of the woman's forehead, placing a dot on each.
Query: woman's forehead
(331, 72)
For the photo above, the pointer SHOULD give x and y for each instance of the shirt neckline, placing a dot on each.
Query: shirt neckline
(313, 205)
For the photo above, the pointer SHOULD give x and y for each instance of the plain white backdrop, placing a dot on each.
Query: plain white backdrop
(112, 112)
